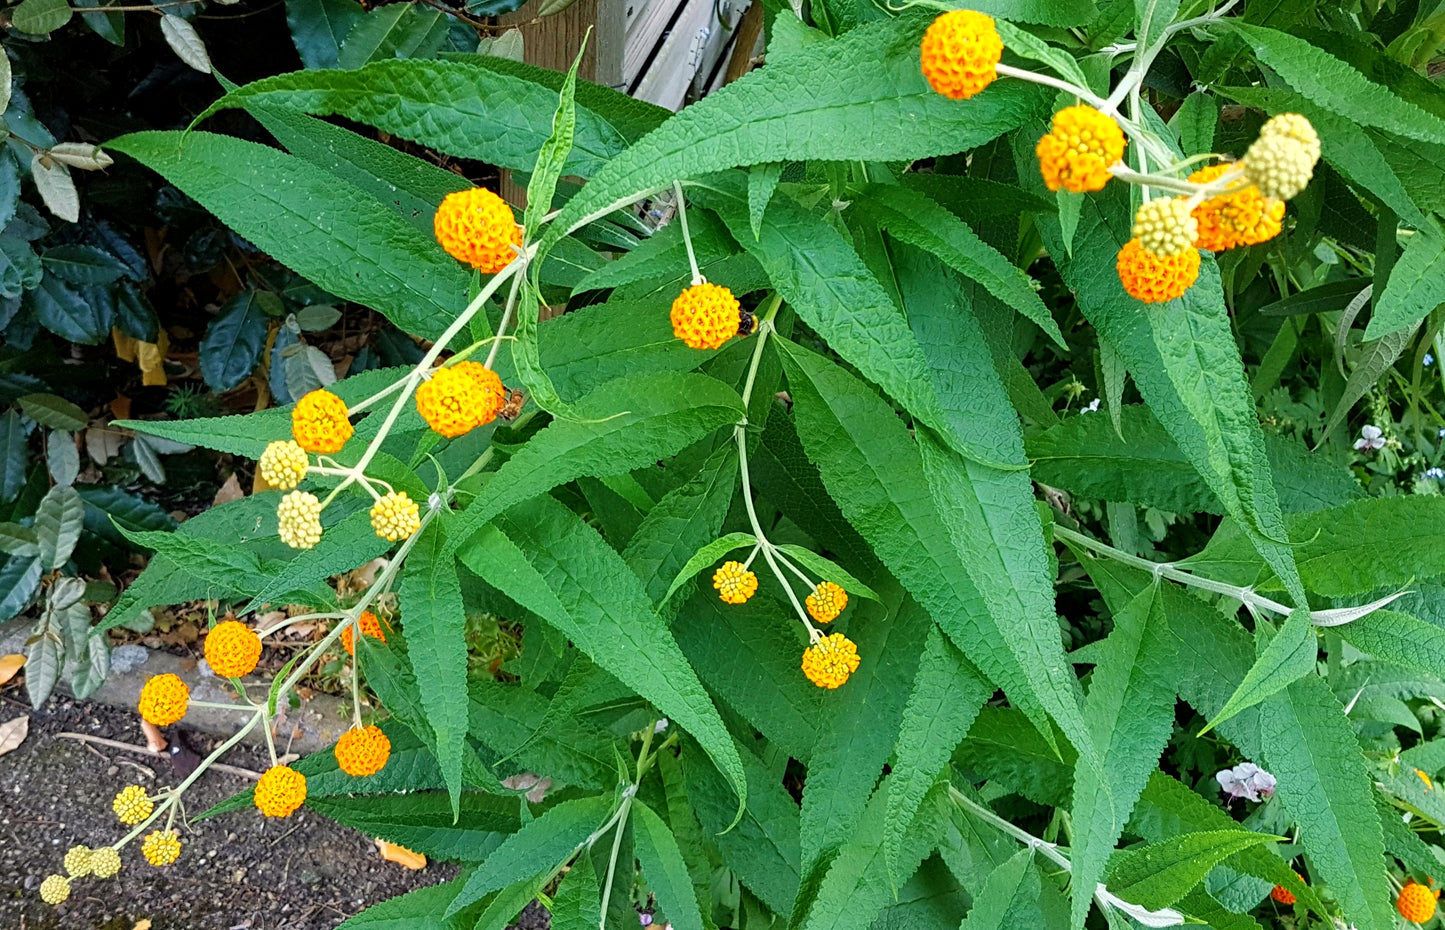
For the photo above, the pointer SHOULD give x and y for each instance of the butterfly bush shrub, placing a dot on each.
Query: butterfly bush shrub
(840, 607)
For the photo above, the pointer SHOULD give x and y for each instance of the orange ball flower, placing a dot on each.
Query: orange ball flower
(1153, 279)
(1080, 147)
(734, 583)
(362, 752)
(1416, 903)
(826, 602)
(163, 700)
(488, 393)
(706, 315)
(280, 791)
(370, 625)
(232, 649)
(960, 53)
(448, 402)
(830, 661)
(1242, 216)
(1282, 894)
(319, 423)
(161, 847)
(477, 227)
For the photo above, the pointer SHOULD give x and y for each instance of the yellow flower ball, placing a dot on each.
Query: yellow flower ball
(1080, 147)
(960, 53)
(232, 649)
(830, 661)
(163, 699)
(280, 791)
(478, 228)
(283, 464)
(1165, 227)
(396, 516)
(104, 862)
(319, 423)
(77, 861)
(161, 847)
(734, 583)
(298, 519)
(1416, 903)
(1282, 160)
(132, 805)
(54, 890)
(706, 315)
(448, 402)
(826, 602)
(362, 752)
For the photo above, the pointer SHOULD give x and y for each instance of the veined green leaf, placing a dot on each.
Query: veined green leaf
(1416, 285)
(911, 216)
(639, 420)
(1337, 86)
(947, 694)
(762, 850)
(386, 33)
(545, 558)
(1287, 656)
(416, 910)
(1010, 891)
(58, 522)
(318, 27)
(577, 904)
(553, 154)
(424, 820)
(872, 468)
(54, 412)
(873, 83)
(827, 570)
(1130, 712)
(662, 866)
(431, 601)
(324, 229)
(344, 545)
(1310, 747)
(454, 107)
(706, 556)
(536, 849)
(1159, 874)
(522, 726)
(669, 542)
(863, 719)
(1399, 638)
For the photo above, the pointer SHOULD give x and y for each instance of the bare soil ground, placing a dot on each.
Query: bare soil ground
(236, 872)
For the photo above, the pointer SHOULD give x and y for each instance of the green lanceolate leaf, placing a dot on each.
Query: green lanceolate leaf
(1130, 712)
(1310, 747)
(1288, 655)
(638, 421)
(874, 80)
(662, 866)
(545, 558)
(303, 216)
(1416, 285)
(552, 157)
(577, 904)
(454, 107)
(1398, 638)
(668, 547)
(431, 601)
(827, 570)
(54, 412)
(318, 27)
(1339, 87)
(912, 217)
(1010, 890)
(845, 425)
(539, 848)
(947, 694)
(233, 342)
(1159, 874)
(58, 522)
(415, 910)
(424, 821)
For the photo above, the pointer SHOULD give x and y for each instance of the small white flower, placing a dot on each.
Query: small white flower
(1371, 438)
(660, 725)
(1092, 407)
(1429, 359)
(1437, 473)
(1246, 780)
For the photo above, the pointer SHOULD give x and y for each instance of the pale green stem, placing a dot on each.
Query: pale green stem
(502, 325)
(379, 395)
(686, 235)
(1246, 596)
(331, 615)
(1033, 77)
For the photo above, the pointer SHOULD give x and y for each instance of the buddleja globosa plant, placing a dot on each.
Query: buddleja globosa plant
(819, 384)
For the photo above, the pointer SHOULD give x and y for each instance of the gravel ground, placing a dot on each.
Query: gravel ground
(236, 872)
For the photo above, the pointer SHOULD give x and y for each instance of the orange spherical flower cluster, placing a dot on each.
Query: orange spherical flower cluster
(396, 516)
(826, 602)
(232, 649)
(363, 751)
(706, 315)
(298, 519)
(283, 464)
(319, 423)
(960, 53)
(1238, 217)
(1416, 902)
(1079, 149)
(830, 661)
(280, 791)
(477, 227)
(163, 700)
(370, 625)
(734, 583)
(454, 401)
(161, 848)
(132, 805)
(1153, 279)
